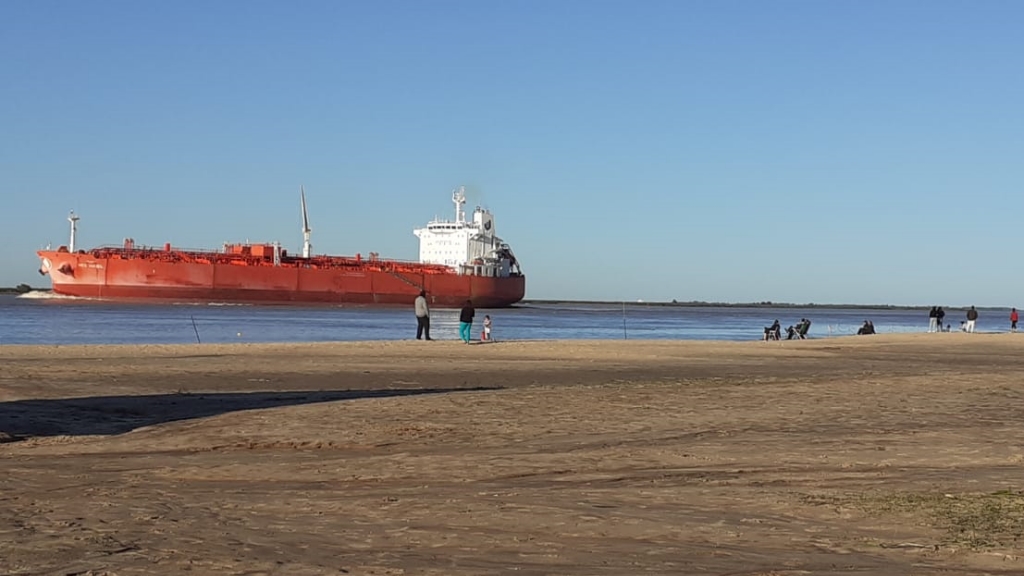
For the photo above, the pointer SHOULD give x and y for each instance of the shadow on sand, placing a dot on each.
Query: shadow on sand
(106, 415)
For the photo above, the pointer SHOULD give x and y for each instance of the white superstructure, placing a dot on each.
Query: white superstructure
(468, 246)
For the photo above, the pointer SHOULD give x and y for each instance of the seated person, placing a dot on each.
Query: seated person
(867, 328)
(792, 332)
(803, 327)
(773, 332)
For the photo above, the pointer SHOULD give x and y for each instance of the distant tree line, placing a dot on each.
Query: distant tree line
(704, 304)
(19, 289)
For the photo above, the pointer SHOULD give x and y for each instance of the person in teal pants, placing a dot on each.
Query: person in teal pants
(466, 321)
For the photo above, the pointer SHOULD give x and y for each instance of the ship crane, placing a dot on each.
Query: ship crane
(306, 246)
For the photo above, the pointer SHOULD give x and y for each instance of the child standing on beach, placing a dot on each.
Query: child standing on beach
(485, 336)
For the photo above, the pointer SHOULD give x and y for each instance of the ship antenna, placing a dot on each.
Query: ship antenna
(306, 246)
(74, 230)
(459, 198)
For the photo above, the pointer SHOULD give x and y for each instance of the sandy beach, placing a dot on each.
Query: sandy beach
(882, 455)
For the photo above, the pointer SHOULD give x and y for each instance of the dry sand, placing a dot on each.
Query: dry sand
(881, 455)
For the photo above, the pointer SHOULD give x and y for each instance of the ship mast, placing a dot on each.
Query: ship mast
(306, 246)
(74, 230)
(459, 198)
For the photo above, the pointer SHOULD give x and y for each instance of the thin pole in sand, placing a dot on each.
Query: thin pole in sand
(624, 320)
(196, 329)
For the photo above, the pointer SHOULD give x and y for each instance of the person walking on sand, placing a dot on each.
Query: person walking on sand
(466, 321)
(933, 319)
(422, 316)
(1013, 319)
(972, 317)
(939, 315)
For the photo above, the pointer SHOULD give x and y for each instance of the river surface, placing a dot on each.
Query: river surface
(44, 318)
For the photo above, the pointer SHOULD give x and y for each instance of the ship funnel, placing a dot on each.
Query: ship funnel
(73, 218)
(306, 246)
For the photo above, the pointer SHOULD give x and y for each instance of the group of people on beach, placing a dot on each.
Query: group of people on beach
(798, 331)
(935, 324)
(936, 314)
(773, 332)
(466, 316)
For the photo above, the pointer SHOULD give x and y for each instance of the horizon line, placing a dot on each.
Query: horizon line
(761, 304)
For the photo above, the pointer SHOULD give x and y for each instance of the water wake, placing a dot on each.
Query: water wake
(49, 295)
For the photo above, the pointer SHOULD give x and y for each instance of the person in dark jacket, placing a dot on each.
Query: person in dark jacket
(939, 315)
(933, 319)
(466, 321)
(972, 317)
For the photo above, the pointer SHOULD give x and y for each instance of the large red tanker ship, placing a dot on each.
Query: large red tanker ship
(460, 259)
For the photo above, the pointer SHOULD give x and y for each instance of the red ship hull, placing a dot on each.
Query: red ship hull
(216, 277)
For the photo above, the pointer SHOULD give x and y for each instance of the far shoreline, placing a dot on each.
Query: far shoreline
(766, 304)
(23, 289)
(18, 290)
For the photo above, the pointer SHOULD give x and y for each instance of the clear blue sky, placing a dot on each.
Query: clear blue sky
(797, 151)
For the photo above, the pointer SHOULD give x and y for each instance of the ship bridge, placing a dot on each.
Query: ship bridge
(467, 246)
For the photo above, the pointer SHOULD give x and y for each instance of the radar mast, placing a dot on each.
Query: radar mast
(459, 198)
(306, 245)
(73, 218)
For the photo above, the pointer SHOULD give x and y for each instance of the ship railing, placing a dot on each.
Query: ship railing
(177, 254)
(120, 248)
(112, 248)
(382, 264)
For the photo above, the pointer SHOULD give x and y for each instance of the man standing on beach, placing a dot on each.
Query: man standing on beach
(972, 316)
(422, 316)
(466, 321)
(933, 319)
(1013, 319)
